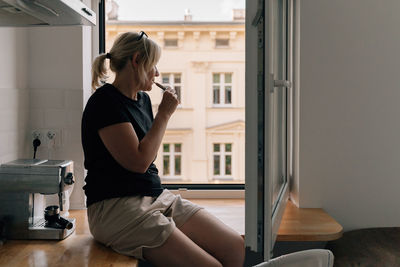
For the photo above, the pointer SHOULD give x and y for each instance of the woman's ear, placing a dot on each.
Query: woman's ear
(134, 60)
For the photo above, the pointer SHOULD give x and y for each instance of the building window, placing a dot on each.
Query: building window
(172, 160)
(174, 80)
(222, 160)
(221, 43)
(170, 43)
(222, 88)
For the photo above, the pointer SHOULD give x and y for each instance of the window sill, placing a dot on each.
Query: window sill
(307, 224)
(224, 107)
(222, 178)
(171, 179)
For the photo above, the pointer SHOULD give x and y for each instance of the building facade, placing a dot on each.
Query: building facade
(205, 63)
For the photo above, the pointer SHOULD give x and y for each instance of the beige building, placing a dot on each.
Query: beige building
(205, 63)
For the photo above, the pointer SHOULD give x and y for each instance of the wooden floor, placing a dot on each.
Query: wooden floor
(80, 249)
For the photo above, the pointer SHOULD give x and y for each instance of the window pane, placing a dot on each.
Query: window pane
(201, 51)
(178, 165)
(216, 78)
(228, 77)
(216, 148)
(228, 147)
(171, 42)
(166, 165)
(221, 42)
(178, 92)
(228, 165)
(228, 95)
(216, 95)
(165, 78)
(178, 147)
(166, 147)
(177, 78)
(216, 165)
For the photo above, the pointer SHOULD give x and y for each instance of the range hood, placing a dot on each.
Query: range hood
(25, 13)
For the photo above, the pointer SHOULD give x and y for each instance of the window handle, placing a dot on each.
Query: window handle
(282, 83)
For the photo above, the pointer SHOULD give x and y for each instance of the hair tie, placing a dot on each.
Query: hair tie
(108, 55)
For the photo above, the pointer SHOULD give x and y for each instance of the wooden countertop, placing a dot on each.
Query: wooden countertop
(79, 249)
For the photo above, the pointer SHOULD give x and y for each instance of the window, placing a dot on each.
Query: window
(172, 160)
(222, 157)
(175, 81)
(171, 43)
(222, 88)
(222, 43)
(190, 55)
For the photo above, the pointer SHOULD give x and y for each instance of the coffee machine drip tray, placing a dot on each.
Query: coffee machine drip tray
(41, 231)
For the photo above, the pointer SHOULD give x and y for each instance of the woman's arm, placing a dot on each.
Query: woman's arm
(123, 144)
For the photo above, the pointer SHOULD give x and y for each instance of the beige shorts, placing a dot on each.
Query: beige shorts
(129, 224)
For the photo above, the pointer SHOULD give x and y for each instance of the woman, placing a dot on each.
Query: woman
(128, 209)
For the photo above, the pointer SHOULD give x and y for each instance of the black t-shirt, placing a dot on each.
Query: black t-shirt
(106, 178)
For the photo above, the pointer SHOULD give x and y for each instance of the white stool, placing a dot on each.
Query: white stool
(306, 258)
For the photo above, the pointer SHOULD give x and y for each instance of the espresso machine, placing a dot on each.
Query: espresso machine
(24, 186)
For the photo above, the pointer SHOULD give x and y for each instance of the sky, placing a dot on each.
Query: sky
(150, 10)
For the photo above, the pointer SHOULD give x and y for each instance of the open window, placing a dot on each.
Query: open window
(269, 149)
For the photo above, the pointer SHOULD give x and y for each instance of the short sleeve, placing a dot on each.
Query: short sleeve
(104, 110)
(149, 106)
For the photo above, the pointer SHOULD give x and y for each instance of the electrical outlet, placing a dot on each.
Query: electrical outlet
(53, 137)
(36, 134)
(51, 134)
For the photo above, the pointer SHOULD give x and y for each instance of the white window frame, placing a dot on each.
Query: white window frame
(267, 222)
(172, 153)
(221, 85)
(222, 154)
(172, 84)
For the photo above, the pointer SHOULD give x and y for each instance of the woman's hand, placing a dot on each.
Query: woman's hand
(169, 102)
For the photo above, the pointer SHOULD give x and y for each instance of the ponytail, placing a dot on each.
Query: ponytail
(99, 71)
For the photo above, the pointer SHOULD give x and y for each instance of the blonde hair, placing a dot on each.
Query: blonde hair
(124, 47)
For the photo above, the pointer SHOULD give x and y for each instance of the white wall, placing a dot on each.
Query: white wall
(350, 111)
(14, 96)
(59, 77)
(44, 85)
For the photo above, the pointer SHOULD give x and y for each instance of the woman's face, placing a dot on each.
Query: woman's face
(151, 75)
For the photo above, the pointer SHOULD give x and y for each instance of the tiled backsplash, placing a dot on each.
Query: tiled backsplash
(44, 80)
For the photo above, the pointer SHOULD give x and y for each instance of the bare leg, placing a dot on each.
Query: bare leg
(216, 238)
(179, 250)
